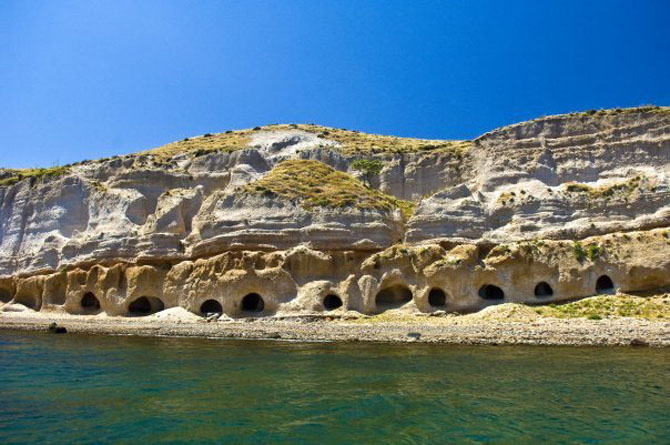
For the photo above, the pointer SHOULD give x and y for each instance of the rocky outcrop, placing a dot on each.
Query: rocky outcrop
(293, 214)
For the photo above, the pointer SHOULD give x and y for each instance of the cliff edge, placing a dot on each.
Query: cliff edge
(304, 219)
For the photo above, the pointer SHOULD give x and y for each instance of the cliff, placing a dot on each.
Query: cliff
(304, 218)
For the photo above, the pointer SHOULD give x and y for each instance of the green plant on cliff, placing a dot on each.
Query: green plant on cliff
(316, 184)
(11, 177)
(370, 168)
(621, 189)
(594, 251)
(579, 251)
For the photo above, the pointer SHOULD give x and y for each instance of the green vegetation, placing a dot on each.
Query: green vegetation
(371, 168)
(607, 306)
(579, 251)
(11, 177)
(621, 189)
(316, 184)
(593, 251)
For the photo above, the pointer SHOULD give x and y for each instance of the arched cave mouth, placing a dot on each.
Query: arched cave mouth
(331, 302)
(145, 306)
(543, 290)
(90, 303)
(5, 296)
(437, 297)
(28, 301)
(393, 297)
(604, 285)
(253, 303)
(491, 292)
(211, 307)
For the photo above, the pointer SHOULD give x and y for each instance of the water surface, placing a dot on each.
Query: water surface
(86, 389)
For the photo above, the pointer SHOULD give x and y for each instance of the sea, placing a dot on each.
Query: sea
(76, 388)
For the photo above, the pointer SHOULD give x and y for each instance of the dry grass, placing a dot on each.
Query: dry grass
(11, 176)
(351, 142)
(316, 184)
(621, 189)
(614, 111)
(356, 142)
(199, 145)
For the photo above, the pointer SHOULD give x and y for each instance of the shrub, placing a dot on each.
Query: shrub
(580, 253)
(370, 168)
(594, 317)
(594, 251)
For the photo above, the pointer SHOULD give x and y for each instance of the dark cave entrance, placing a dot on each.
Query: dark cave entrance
(604, 285)
(393, 297)
(543, 290)
(146, 306)
(437, 297)
(253, 303)
(491, 292)
(331, 302)
(211, 307)
(90, 303)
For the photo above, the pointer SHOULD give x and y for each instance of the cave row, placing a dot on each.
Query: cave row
(253, 303)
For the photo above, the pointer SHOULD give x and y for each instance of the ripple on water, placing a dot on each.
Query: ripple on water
(79, 388)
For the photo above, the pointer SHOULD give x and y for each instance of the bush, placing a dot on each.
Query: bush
(594, 317)
(594, 251)
(580, 253)
(369, 167)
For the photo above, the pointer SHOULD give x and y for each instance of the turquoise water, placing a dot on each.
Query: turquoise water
(86, 389)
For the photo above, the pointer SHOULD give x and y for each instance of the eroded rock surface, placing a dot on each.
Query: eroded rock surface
(474, 222)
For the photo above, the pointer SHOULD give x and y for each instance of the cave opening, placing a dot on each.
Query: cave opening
(604, 285)
(211, 307)
(331, 302)
(28, 301)
(393, 297)
(253, 303)
(543, 290)
(5, 295)
(146, 306)
(90, 302)
(491, 292)
(437, 297)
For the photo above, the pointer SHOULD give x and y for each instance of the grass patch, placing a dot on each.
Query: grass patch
(11, 177)
(351, 142)
(611, 306)
(316, 184)
(370, 168)
(621, 189)
(205, 144)
(356, 142)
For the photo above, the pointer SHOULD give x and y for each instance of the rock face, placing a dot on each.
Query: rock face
(276, 219)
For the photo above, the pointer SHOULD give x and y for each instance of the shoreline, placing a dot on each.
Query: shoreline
(403, 329)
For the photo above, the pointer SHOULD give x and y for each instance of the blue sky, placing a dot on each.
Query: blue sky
(89, 79)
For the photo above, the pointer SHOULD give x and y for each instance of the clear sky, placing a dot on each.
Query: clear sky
(88, 79)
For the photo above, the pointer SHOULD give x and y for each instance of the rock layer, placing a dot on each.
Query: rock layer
(493, 219)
